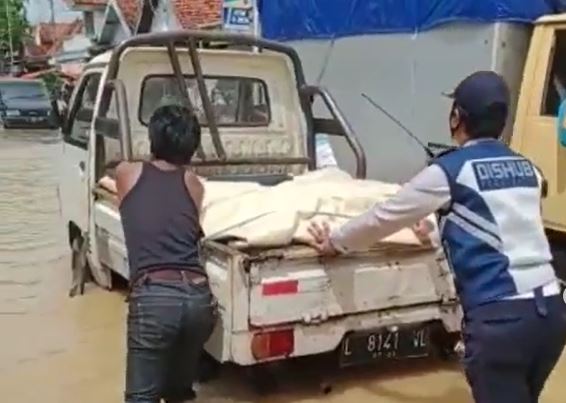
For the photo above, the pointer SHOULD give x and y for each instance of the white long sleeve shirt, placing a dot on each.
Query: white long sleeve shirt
(423, 195)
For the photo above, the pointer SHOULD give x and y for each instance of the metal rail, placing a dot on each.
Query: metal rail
(178, 72)
(119, 91)
(210, 117)
(338, 126)
(190, 39)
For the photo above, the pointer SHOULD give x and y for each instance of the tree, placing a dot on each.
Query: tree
(13, 25)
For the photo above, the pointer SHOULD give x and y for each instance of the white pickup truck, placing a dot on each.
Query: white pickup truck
(276, 302)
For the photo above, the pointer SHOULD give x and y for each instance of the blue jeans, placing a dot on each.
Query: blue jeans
(512, 347)
(168, 324)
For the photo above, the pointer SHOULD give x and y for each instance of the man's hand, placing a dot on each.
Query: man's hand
(422, 230)
(108, 183)
(321, 239)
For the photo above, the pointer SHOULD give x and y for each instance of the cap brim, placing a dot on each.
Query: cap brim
(448, 94)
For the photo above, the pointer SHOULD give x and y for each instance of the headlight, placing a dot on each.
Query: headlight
(12, 113)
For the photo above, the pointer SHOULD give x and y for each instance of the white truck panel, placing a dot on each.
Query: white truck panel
(324, 337)
(306, 290)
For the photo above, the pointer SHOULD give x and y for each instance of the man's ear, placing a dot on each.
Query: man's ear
(544, 188)
(455, 118)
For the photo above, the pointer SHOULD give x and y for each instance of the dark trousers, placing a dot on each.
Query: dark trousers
(168, 324)
(512, 347)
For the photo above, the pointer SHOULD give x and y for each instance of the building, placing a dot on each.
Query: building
(49, 41)
(186, 14)
(108, 22)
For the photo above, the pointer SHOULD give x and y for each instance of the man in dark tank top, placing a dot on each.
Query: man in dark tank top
(171, 311)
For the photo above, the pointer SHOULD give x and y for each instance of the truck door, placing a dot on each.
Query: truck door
(74, 184)
(544, 88)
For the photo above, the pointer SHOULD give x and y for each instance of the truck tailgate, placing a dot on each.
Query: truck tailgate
(308, 289)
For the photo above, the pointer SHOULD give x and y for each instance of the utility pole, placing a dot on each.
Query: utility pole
(52, 9)
(11, 45)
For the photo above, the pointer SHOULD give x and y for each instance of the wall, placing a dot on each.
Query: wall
(74, 49)
(406, 74)
(164, 18)
(198, 12)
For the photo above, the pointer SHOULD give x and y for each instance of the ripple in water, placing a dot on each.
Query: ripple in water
(31, 230)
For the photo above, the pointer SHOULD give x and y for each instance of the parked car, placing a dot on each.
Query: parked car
(25, 104)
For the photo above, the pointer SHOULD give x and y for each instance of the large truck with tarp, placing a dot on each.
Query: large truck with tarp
(404, 54)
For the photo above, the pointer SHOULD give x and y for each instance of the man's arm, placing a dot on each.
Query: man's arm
(127, 174)
(422, 196)
(195, 188)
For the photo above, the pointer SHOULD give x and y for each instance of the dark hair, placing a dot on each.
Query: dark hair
(489, 124)
(174, 134)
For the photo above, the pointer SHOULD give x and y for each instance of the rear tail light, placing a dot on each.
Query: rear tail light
(279, 343)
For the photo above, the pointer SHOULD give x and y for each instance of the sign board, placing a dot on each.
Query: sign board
(239, 15)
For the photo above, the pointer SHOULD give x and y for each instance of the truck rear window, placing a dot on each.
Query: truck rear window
(236, 101)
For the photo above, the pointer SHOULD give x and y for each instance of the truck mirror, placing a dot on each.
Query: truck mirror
(561, 124)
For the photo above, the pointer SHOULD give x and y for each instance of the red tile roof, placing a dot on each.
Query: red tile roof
(131, 10)
(51, 37)
(51, 33)
(194, 13)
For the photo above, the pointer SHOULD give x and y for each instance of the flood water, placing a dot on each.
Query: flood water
(54, 349)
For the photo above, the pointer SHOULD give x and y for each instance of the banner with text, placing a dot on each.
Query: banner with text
(239, 16)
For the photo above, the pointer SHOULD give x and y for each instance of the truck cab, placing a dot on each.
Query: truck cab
(536, 133)
(277, 299)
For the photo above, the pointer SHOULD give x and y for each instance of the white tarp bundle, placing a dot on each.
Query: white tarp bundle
(278, 215)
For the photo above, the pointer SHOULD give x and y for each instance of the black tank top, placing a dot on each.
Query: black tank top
(161, 223)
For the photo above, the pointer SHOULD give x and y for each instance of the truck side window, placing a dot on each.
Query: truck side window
(82, 111)
(555, 90)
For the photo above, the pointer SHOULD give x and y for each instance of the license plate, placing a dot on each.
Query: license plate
(404, 342)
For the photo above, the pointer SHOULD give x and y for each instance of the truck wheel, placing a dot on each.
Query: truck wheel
(209, 368)
(445, 344)
(262, 379)
(79, 266)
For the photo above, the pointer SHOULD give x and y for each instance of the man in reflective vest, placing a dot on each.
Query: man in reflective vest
(488, 200)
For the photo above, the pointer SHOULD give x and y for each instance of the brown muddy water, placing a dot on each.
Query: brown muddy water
(54, 349)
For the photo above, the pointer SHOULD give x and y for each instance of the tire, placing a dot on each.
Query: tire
(209, 368)
(444, 344)
(79, 266)
(262, 379)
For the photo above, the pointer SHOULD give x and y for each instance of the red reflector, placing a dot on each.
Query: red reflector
(281, 287)
(273, 344)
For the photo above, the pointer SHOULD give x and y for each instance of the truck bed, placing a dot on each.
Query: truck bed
(265, 288)
(294, 284)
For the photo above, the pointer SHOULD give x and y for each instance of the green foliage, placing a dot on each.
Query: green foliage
(53, 83)
(12, 20)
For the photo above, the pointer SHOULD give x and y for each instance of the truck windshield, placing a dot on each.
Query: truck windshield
(24, 93)
(236, 101)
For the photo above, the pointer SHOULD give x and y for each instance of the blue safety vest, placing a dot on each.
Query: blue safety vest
(492, 231)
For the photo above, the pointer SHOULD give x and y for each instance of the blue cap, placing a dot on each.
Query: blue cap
(479, 91)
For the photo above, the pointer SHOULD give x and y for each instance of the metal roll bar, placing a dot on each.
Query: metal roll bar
(210, 118)
(119, 90)
(178, 72)
(192, 40)
(338, 126)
